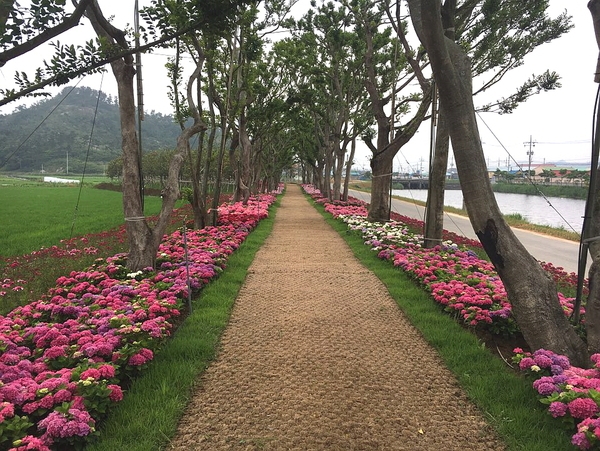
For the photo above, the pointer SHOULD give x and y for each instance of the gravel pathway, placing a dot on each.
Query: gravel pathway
(317, 356)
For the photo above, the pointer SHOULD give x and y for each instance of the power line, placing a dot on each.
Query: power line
(2, 164)
(528, 175)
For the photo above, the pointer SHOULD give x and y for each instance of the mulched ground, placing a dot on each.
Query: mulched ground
(317, 356)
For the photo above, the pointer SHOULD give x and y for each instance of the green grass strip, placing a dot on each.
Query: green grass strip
(147, 417)
(506, 398)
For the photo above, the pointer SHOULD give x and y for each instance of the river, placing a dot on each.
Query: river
(552, 211)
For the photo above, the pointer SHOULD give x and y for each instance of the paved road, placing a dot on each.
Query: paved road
(543, 247)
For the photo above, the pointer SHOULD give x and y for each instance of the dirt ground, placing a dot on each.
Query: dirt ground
(317, 356)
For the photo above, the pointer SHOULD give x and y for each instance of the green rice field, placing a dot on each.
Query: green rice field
(36, 215)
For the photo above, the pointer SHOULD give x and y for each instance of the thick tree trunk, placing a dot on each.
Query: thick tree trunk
(328, 170)
(213, 215)
(321, 178)
(139, 234)
(531, 291)
(245, 158)
(198, 200)
(592, 309)
(143, 240)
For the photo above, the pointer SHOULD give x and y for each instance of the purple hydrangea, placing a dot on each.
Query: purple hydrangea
(581, 441)
(557, 409)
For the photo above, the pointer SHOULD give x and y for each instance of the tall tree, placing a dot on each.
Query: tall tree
(387, 78)
(496, 36)
(337, 76)
(532, 291)
(248, 50)
(143, 239)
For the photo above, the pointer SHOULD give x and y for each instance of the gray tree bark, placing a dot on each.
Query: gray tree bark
(434, 219)
(592, 310)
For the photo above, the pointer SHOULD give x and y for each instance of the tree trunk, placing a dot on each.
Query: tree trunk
(381, 170)
(592, 308)
(198, 200)
(327, 171)
(531, 291)
(349, 169)
(143, 240)
(245, 169)
(340, 153)
(139, 234)
(218, 181)
(434, 215)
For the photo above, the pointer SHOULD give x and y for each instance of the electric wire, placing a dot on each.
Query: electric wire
(589, 207)
(419, 214)
(2, 164)
(87, 155)
(529, 179)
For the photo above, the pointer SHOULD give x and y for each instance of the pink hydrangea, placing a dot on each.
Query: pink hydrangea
(90, 317)
(543, 361)
(526, 363)
(116, 393)
(107, 371)
(55, 352)
(582, 408)
(30, 443)
(7, 410)
(91, 373)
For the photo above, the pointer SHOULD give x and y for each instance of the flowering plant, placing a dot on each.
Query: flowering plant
(64, 357)
(572, 394)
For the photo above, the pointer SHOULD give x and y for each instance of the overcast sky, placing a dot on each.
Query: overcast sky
(559, 122)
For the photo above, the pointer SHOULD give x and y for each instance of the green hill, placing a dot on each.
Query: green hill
(67, 132)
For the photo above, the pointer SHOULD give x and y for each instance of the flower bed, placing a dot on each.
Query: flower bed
(65, 358)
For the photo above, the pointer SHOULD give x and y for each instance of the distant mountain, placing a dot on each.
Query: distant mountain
(67, 130)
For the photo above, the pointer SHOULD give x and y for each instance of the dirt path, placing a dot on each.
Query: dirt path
(317, 356)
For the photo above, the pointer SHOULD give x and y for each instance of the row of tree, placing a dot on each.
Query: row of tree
(348, 70)
(155, 169)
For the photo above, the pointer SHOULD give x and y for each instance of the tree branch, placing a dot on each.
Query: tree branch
(594, 7)
(45, 36)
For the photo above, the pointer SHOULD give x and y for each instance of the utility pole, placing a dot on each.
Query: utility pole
(531, 144)
(140, 95)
